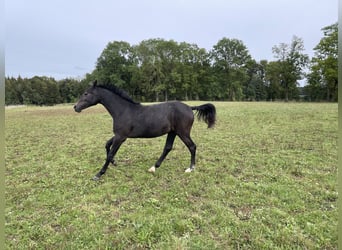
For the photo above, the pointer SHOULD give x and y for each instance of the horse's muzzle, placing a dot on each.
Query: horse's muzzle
(77, 109)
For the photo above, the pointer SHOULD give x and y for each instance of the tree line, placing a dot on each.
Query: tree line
(161, 70)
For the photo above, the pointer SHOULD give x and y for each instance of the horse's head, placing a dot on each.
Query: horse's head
(87, 99)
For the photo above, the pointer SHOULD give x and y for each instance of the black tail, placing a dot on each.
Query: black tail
(207, 113)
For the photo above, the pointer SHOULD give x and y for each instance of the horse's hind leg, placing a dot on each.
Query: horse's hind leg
(192, 148)
(108, 145)
(167, 148)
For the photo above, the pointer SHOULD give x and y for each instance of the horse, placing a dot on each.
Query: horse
(134, 120)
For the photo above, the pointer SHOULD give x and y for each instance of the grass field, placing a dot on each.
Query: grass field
(265, 179)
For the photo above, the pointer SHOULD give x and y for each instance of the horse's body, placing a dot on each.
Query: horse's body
(133, 120)
(154, 120)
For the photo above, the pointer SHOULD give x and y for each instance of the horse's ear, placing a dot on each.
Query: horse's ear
(95, 83)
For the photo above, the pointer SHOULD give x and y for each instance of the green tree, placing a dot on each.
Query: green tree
(115, 65)
(66, 90)
(11, 93)
(39, 90)
(273, 80)
(254, 88)
(42, 90)
(291, 64)
(169, 53)
(230, 57)
(323, 78)
(193, 64)
(150, 74)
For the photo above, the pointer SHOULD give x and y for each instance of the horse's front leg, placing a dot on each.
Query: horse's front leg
(117, 141)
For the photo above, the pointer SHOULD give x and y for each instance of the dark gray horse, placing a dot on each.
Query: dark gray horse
(133, 120)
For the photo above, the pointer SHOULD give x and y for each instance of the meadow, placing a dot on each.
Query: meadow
(265, 178)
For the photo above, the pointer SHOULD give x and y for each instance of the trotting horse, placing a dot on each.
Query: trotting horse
(133, 120)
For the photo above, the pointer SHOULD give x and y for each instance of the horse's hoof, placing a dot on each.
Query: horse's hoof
(152, 169)
(96, 178)
(189, 170)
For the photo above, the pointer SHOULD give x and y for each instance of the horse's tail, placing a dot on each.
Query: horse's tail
(207, 113)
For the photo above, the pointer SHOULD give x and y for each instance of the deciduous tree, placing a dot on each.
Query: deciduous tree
(323, 78)
(291, 65)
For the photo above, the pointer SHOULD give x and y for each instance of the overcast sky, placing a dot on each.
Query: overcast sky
(64, 38)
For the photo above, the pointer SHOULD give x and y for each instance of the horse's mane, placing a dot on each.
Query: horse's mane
(119, 92)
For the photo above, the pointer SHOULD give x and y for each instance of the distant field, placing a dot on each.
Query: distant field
(265, 179)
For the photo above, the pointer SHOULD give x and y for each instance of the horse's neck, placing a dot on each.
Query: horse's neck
(115, 104)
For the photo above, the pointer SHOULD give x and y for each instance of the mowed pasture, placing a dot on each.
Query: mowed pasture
(265, 178)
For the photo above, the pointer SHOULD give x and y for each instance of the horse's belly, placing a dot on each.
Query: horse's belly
(150, 130)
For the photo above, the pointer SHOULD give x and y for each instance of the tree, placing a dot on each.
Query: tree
(150, 76)
(230, 57)
(291, 64)
(158, 69)
(273, 79)
(192, 67)
(165, 68)
(323, 79)
(169, 53)
(254, 88)
(70, 89)
(114, 66)
(12, 96)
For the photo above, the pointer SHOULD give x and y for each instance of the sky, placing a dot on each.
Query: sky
(64, 38)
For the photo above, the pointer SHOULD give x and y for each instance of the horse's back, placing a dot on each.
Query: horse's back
(175, 112)
(183, 110)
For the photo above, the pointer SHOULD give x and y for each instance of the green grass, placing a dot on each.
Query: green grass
(265, 179)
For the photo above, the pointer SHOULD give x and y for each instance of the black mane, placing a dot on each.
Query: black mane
(119, 92)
